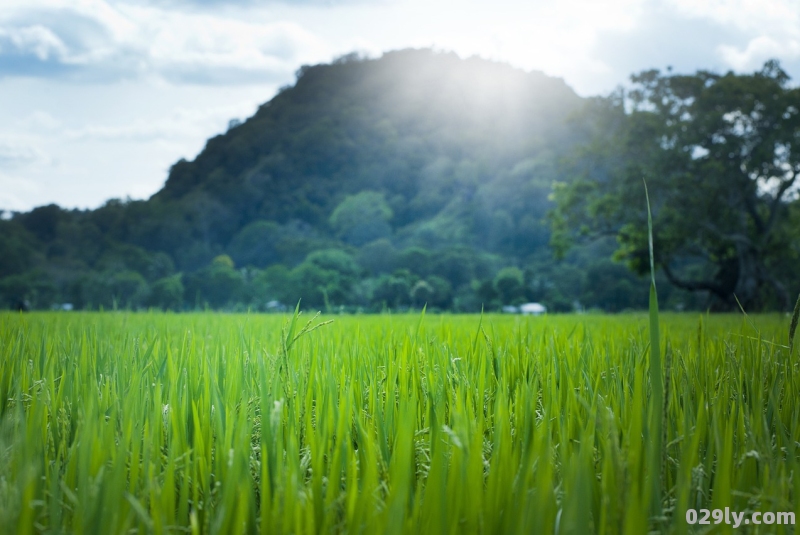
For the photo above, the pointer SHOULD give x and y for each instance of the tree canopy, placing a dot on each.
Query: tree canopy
(720, 155)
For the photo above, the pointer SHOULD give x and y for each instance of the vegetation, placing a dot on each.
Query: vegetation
(720, 154)
(426, 191)
(161, 423)
(423, 178)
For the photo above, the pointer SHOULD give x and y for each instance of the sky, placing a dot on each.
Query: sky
(98, 98)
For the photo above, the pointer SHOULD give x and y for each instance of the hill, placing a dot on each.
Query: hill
(414, 178)
(437, 137)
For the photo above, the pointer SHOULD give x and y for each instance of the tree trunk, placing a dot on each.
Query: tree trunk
(743, 277)
(750, 279)
(747, 280)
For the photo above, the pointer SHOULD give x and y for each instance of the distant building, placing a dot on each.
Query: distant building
(528, 309)
(532, 309)
(275, 306)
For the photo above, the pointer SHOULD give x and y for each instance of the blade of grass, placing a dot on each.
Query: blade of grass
(656, 380)
(793, 325)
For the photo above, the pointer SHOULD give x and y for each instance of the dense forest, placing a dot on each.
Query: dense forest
(417, 178)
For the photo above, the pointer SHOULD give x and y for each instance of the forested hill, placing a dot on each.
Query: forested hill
(444, 141)
(415, 178)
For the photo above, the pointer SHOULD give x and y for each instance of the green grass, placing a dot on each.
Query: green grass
(205, 423)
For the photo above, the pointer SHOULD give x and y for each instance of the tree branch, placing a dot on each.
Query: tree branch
(693, 285)
(734, 237)
(753, 211)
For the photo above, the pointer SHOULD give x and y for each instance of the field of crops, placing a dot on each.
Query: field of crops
(207, 423)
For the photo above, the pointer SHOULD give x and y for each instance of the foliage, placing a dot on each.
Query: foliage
(719, 155)
(216, 285)
(394, 291)
(325, 278)
(33, 289)
(271, 284)
(509, 285)
(257, 244)
(377, 257)
(362, 218)
(114, 289)
(16, 252)
(167, 293)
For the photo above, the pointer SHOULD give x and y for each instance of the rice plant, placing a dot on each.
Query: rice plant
(204, 423)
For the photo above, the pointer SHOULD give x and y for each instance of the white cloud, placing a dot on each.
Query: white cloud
(39, 121)
(757, 51)
(747, 15)
(771, 28)
(222, 50)
(14, 155)
(37, 40)
(95, 39)
(182, 124)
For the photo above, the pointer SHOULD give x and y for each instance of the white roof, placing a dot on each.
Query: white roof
(533, 308)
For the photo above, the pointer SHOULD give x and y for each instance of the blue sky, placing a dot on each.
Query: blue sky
(99, 97)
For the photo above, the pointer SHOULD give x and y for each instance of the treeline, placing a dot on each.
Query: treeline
(374, 277)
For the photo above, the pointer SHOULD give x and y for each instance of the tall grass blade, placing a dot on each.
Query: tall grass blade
(656, 380)
(793, 325)
(753, 325)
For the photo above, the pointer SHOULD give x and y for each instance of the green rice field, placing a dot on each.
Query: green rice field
(115, 423)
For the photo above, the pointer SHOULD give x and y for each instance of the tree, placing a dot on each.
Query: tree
(720, 154)
(613, 288)
(16, 252)
(509, 285)
(442, 292)
(394, 291)
(271, 284)
(256, 244)
(415, 259)
(217, 285)
(378, 256)
(114, 289)
(167, 293)
(325, 278)
(421, 293)
(35, 288)
(43, 221)
(362, 218)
